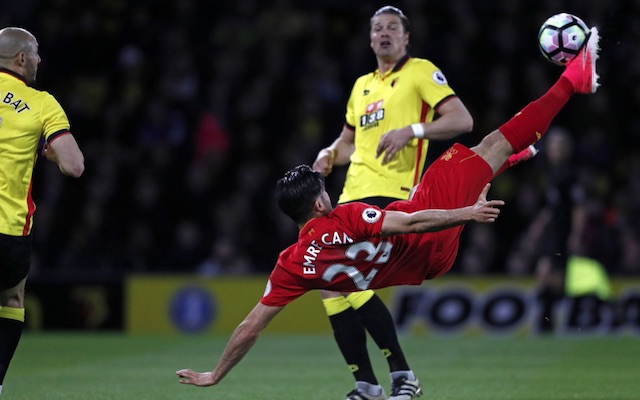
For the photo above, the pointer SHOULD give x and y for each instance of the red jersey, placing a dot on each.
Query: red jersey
(344, 251)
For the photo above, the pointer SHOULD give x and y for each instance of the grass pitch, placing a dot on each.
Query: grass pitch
(119, 367)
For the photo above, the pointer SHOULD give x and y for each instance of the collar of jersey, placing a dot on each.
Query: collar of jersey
(306, 228)
(8, 71)
(397, 68)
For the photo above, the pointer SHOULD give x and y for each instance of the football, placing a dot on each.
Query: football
(561, 37)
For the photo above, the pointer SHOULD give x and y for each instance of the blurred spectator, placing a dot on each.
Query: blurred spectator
(567, 232)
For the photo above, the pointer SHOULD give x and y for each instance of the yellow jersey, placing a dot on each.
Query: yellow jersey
(26, 115)
(407, 94)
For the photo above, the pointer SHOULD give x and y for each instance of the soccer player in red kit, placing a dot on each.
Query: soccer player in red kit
(358, 246)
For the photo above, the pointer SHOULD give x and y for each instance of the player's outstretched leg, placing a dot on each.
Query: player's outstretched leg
(581, 70)
(524, 155)
(517, 158)
(580, 76)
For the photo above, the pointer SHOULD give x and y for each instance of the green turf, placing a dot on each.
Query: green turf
(111, 366)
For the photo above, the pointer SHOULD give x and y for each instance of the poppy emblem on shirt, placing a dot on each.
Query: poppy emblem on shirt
(371, 215)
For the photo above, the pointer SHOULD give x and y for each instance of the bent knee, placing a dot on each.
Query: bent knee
(13, 297)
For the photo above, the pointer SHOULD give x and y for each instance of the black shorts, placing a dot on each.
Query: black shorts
(15, 259)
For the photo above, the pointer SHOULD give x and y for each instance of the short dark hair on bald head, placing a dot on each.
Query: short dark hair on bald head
(14, 40)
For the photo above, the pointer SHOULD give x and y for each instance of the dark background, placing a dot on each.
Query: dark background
(188, 112)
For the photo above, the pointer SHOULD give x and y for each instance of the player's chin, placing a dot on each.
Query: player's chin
(384, 50)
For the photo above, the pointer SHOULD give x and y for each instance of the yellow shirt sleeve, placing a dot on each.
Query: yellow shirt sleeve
(54, 119)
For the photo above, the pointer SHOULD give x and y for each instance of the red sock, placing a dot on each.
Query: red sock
(517, 158)
(530, 124)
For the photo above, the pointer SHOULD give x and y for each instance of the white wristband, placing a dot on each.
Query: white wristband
(418, 131)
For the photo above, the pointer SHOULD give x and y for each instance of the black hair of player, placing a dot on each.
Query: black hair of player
(297, 190)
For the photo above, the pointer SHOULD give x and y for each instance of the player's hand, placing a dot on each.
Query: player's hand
(324, 161)
(190, 377)
(392, 142)
(48, 152)
(484, 210)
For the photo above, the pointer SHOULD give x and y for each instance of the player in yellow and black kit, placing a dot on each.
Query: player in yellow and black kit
(26, 116)
(390, 116)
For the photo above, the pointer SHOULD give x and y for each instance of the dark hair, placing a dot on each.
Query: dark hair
(394, 11)
(297, 190)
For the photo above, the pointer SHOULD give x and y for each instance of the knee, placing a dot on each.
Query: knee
(13, 301)
(13, 297)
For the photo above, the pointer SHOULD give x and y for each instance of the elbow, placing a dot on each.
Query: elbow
(74, 169)
(78, 171)
(249, 332)
(252, 336)
(467, 124)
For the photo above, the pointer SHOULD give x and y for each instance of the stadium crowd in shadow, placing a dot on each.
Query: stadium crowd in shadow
(189, 110)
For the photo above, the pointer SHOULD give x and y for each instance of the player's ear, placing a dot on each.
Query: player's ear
(319, 205)
(22, 58)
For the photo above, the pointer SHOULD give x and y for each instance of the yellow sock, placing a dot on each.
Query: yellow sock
(335, 305)
(358, 299)
(12, 313)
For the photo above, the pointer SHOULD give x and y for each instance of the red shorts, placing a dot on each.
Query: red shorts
(454, 180)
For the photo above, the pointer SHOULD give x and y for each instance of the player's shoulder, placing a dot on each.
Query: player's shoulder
(42, 94)
(363, 80)
(351, 212)
(424, 70)
(25, 93)
(421, 63)
(346, 208)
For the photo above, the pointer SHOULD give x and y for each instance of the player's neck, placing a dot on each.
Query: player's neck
(387, 64)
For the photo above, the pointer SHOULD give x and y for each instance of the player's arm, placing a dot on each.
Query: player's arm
(396, 222)
(64, 151)
(243, 338)
(454, 119)
(338, 153)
